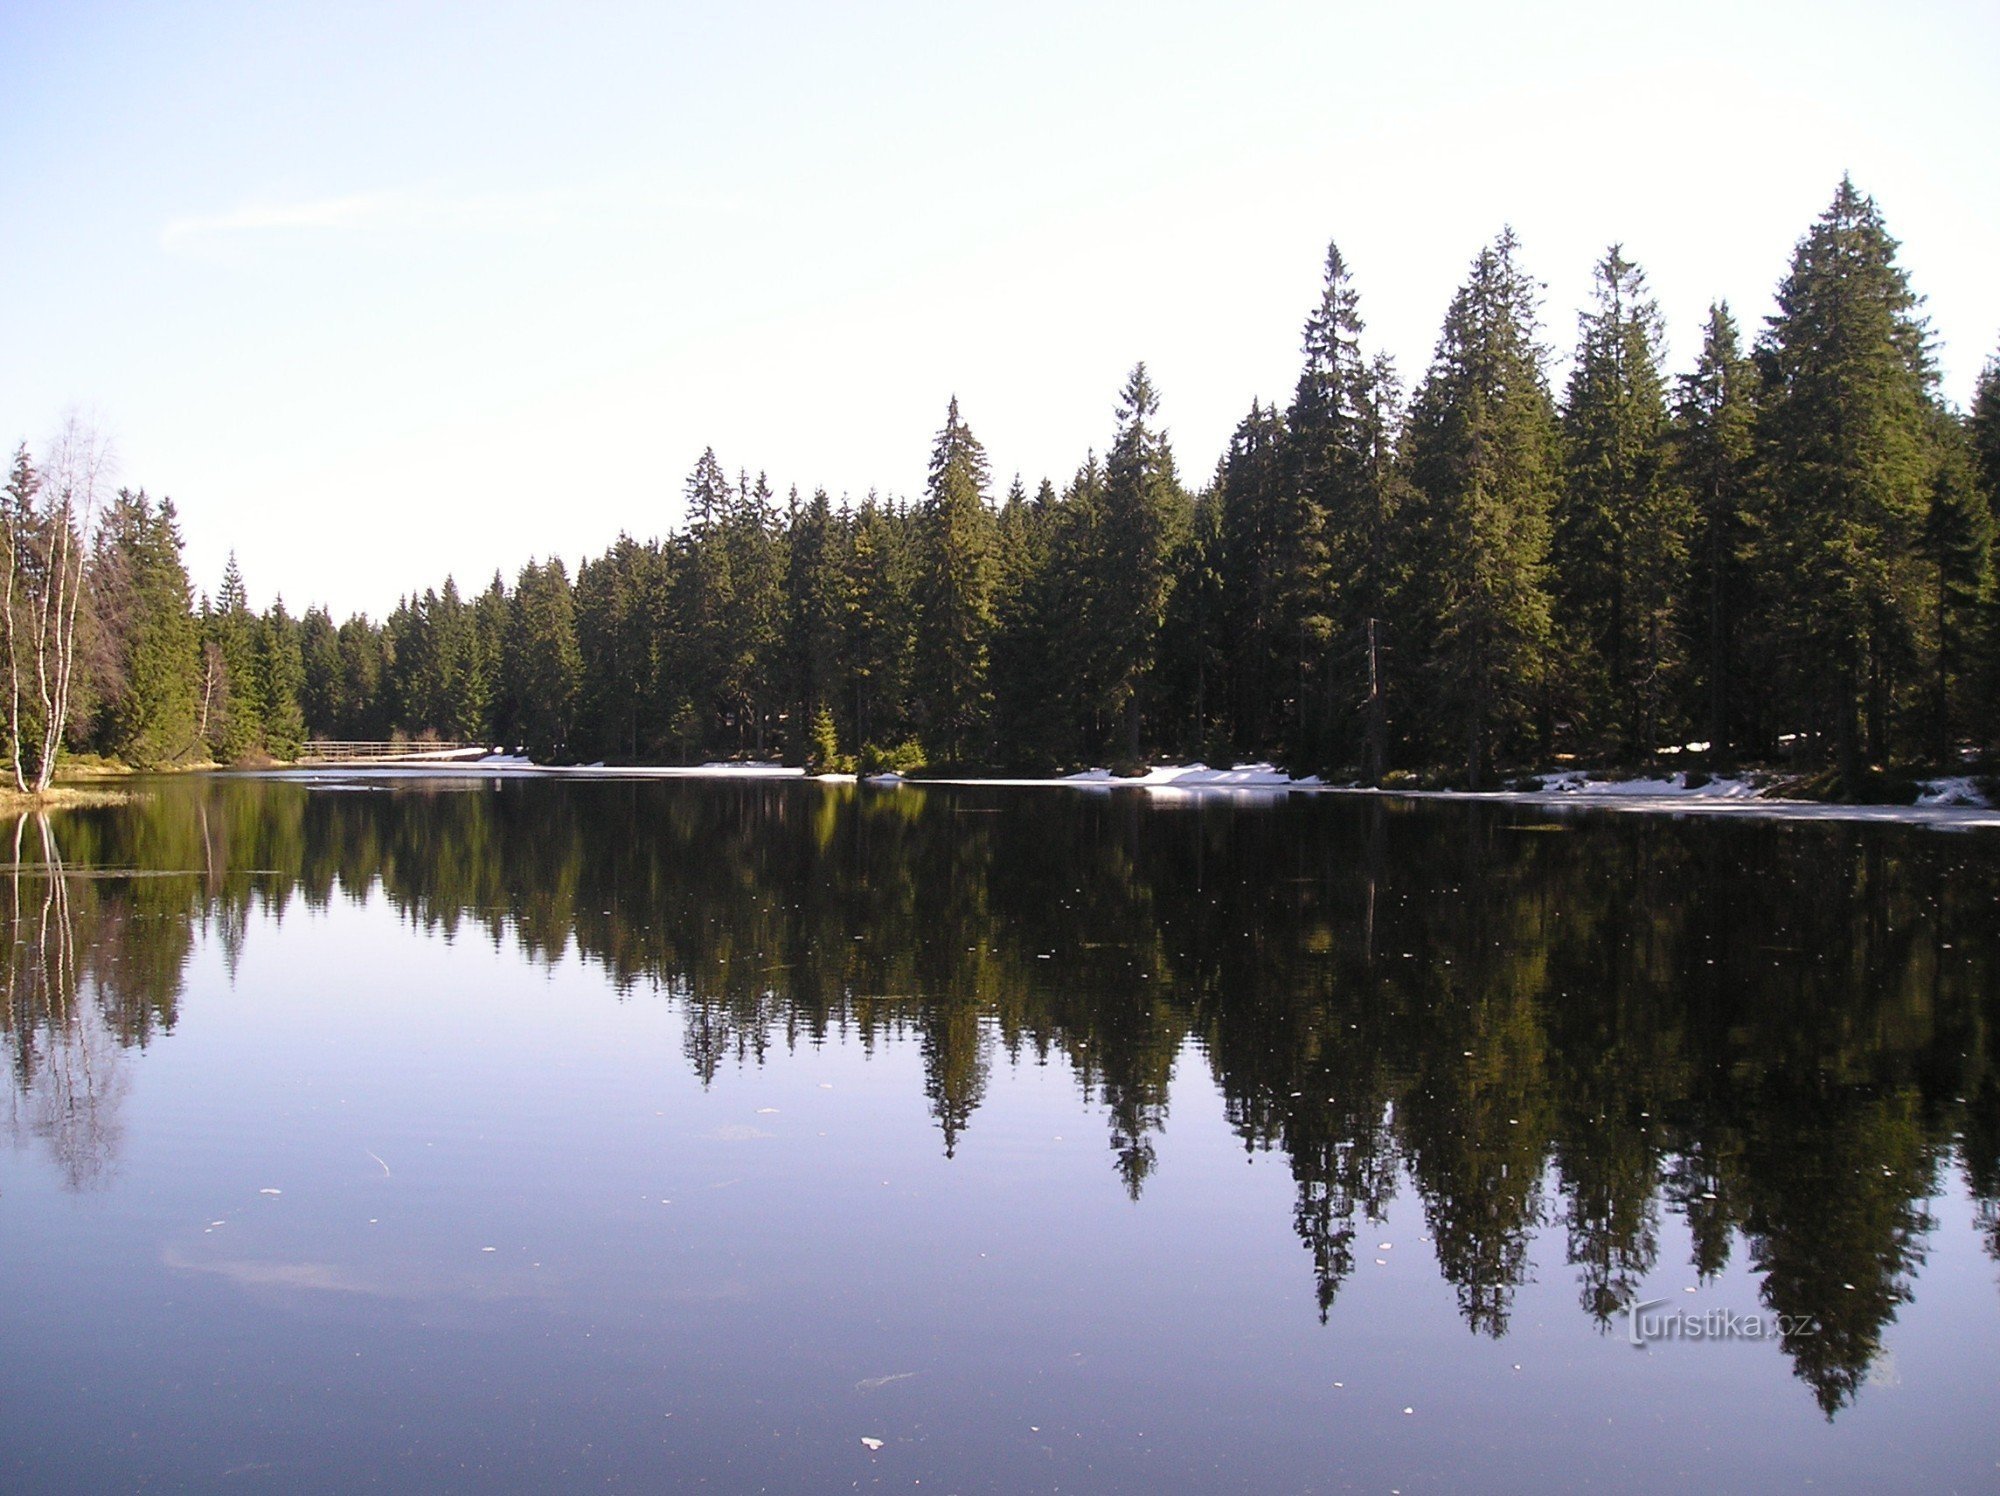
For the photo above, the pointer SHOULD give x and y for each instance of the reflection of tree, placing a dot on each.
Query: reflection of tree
(1781, 1033)
(69, 1080)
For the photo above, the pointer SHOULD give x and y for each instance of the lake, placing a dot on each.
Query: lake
(540, 1133)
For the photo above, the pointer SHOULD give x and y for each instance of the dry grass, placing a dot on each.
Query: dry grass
(58, 797)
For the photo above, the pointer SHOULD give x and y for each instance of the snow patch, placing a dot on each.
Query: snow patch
(1961, 789)
(1577, 782)
(1196, 776)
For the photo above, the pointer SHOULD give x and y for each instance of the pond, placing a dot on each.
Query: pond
(475, 1134)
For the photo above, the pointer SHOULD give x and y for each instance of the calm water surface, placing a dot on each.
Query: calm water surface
(470, 1135)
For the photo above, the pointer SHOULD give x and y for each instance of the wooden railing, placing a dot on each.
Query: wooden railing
(321, 751)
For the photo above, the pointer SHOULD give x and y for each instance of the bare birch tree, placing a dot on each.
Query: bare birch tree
(49, 523)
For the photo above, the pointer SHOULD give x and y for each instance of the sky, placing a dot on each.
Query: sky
(381, 292)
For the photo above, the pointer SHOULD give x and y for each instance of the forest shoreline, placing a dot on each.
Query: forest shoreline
(1954, 803)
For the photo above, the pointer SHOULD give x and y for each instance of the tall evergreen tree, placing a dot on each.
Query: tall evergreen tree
(1338, 569)
(1845, 446)
(540, 660)
(1620, 542)
(1482, 462)
(321, 694)
(617, 605)
(1986, 432)
(880, 626)
(1251, 493)
(1714, 416)
(235, 720)
(700, 668)
(1957, 550)
(815, 612)
(281, 673)
(1144, 516)
(143, 587)
(1025, 634)
(956, 580)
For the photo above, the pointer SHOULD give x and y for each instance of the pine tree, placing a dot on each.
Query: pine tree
(236, 718)
(754, 642)
(142, 588)
(1620, 543)
(1482, 463)
(540, 662)
(956, 539)
(1337, 569)
(1023, 634)
(815, 611)
(281, 672)
(617, 605)
(1844, 444)
(699, 669)
(880, 626)
(364, 671)
(1985, 424)
(1957, 548)
(1251, 494)
(1144, 515)
(320, 694)
(1714, 415)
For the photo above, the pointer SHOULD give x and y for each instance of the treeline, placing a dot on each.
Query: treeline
(1786, 550)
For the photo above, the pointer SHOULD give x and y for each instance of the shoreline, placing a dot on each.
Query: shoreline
(1730, 798)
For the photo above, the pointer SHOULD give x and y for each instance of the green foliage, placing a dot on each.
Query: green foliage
(281, 670)
(540, 661)
(1845, 447)
(142, 597)
(1713, 418)
(954, 600)
(906, 757)
(1140, 520)
(1792, 554)
(1621, 523)
(823, 755)
(1482, 461)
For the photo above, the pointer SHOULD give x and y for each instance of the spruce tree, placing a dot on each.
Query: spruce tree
(322, 696)
(1845, 446)
(1022, 633)
(281, 671)
(955, 537)
(1985, 424)
(1254, 544)
(880, 625)
(1620, 543)
(700, 667)
(1714, 415)
(1337, 568)
(1957, 549)
(236, 715)
(815, 611)
(1482, 463)
(540, 661)
(150, 719)
(754, 639)
(1143, 518)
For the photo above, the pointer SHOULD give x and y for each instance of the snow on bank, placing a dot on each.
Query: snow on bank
(1962, 789)
(1198, 776)
(1946, 804)
(1577, 782)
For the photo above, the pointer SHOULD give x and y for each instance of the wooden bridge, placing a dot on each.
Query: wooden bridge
(320, 752)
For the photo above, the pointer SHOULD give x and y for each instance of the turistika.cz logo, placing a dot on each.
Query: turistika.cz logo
(1651, 1321)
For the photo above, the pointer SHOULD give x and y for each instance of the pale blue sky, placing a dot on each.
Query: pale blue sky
(378, 292)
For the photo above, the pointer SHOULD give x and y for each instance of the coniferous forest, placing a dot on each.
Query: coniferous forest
(1783, 552)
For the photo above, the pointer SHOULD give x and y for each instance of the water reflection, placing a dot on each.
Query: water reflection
(1784, 1034)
